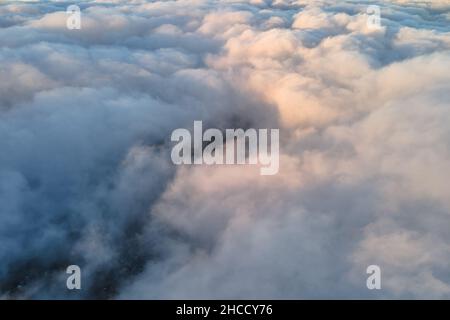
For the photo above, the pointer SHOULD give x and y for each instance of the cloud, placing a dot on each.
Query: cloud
(85, 171)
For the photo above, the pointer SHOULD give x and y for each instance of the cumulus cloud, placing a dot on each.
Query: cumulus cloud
(85, 171)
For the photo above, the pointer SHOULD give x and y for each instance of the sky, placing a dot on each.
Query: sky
(86, 177)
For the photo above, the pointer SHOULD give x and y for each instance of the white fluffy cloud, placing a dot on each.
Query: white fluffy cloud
(85, 171)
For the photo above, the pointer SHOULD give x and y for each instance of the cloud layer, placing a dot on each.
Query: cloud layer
(85, 171)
